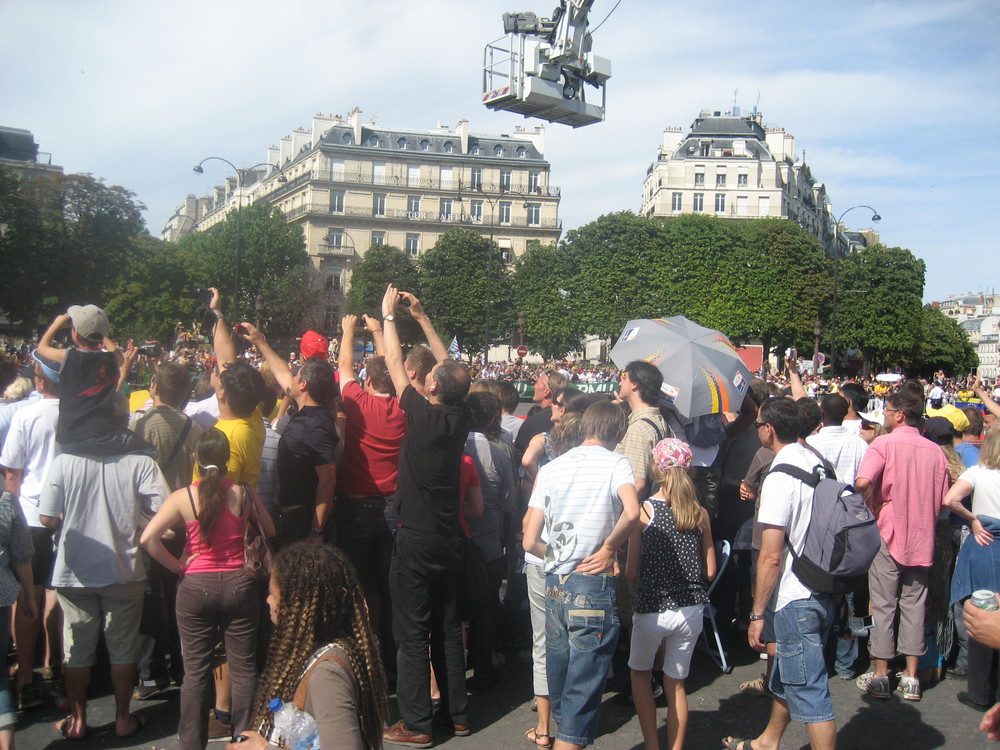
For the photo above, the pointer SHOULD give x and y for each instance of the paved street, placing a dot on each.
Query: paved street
(500, 716)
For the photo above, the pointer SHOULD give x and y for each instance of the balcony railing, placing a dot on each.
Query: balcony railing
(492, 189)
(424, 217)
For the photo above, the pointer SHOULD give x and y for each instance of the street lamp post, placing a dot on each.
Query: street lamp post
(836, 280)
(240, 173)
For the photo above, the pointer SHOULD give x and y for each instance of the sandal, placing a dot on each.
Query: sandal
(756, 687)
(140, 722)
(63, 727)
(533, 736)
(735, 743)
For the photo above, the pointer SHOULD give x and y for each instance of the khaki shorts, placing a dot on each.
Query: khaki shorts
(115, 609)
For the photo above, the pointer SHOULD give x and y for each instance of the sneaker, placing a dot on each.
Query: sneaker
(863, 681)
(28, 698)
(879, 687)
(910, 688)
(756, 687)
(145, 692)
(956, 673)
(398, 734)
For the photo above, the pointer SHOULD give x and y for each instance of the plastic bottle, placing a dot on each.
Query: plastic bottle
(295, 730)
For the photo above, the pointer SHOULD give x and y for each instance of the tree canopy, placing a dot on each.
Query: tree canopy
(383, 265)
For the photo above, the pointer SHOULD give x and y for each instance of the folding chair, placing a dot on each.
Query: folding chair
(722, 551)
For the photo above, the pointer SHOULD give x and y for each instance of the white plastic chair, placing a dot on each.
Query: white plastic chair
(722, 552)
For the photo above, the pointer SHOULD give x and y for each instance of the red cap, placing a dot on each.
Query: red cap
(314, 345)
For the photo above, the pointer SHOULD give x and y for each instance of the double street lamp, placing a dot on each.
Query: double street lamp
(836, 278)
(240, 174)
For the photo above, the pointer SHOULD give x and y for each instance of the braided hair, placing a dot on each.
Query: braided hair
(321, 602)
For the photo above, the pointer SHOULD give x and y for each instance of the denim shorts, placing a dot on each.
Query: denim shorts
(581, 632)
(800, 676)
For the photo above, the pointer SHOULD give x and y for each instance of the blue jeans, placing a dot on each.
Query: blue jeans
(8, 716)
(581, 632)
(799, 676)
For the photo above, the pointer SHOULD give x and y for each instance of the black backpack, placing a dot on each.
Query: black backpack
(842, 538)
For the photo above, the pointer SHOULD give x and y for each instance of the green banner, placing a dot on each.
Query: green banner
(526, 390)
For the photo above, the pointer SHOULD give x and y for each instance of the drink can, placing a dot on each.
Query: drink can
(985, 599)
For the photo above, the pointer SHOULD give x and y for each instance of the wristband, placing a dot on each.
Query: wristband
(757, 618)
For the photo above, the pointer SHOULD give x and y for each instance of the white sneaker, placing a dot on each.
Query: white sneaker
(910, 688)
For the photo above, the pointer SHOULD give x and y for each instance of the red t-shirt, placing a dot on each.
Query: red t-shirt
(468, 476)
(374, 433)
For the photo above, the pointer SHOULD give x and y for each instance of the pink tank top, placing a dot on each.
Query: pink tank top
(224, 552)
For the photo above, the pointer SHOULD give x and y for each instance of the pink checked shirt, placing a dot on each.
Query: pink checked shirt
(909, 477)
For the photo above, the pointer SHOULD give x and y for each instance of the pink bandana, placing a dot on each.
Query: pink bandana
(670, 453)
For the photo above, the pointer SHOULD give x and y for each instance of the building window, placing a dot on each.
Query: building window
(413, 175)
(446, 204)
(333, 282)
(741, 205)
(449, 147)
(534, 214)
(413, 204)
(476, 181)
(505, 179)
(413, 244)
(337, 201)
(699, 202)
(521, 152)
(741, 179)
(504, 212)
(676, 201)
(335, 238)
(401, 144)
(476, 210)
(425, 145)
(373, 140)
(720, 203)
(764, 205)
(720, 180)
(498, 150)
(534, 182)
(378, 238)
(699, 179)
(378, 172)
(378, 204)
(347, 138)
(337, 169)
(476, 149)
(446, 178)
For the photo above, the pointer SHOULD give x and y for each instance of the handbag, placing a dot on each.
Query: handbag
(258, 556)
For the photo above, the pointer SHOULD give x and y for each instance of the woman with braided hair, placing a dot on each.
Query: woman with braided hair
(324, 656)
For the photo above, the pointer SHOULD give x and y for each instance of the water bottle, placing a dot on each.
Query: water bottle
(295, 730)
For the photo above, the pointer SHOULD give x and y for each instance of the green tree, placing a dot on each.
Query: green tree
(383, 265)
(67, 239)
(879, 309)
(943, 346)
(273, 251)
(457, 292)
(539, 275)
(616, 257)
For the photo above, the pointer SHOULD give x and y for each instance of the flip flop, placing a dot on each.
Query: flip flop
(735, 743)
(140, 722)
(533, 736)
(62, 727)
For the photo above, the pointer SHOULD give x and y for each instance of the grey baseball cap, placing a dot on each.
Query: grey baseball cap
(90, 321)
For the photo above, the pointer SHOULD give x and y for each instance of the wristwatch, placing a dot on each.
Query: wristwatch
(757, 618)
(389, 318)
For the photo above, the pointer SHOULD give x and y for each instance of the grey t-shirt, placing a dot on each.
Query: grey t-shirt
(105, 503)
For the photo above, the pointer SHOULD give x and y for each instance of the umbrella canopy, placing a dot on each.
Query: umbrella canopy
(702, 371)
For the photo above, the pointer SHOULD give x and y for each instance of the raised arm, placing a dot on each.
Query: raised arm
(126, 364)
(794, 379)
(45, 347)
(433, 340)
(222, 341)
(374, 327)
(991, 406)
(279, 368)
(393, 350)
(345, 359)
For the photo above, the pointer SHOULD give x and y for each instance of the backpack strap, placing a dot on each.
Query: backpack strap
(651, 423)
(802, 475)
(303, 689)
(177, 446)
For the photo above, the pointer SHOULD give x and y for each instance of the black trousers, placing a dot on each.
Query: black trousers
(424, 577)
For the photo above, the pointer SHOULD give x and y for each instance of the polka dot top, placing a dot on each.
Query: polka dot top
(670, 575)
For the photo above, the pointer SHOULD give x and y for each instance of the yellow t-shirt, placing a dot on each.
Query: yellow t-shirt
(246, 443)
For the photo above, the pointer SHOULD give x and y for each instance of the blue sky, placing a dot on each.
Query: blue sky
(896, 103)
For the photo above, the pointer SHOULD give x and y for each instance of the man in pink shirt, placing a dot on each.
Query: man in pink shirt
(903, 477)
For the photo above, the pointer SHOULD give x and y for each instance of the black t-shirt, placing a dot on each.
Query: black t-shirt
(536, 424)
(87, 386)
(429, 463)
(309, 441)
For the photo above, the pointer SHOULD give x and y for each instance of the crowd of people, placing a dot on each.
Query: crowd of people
(328, 532)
